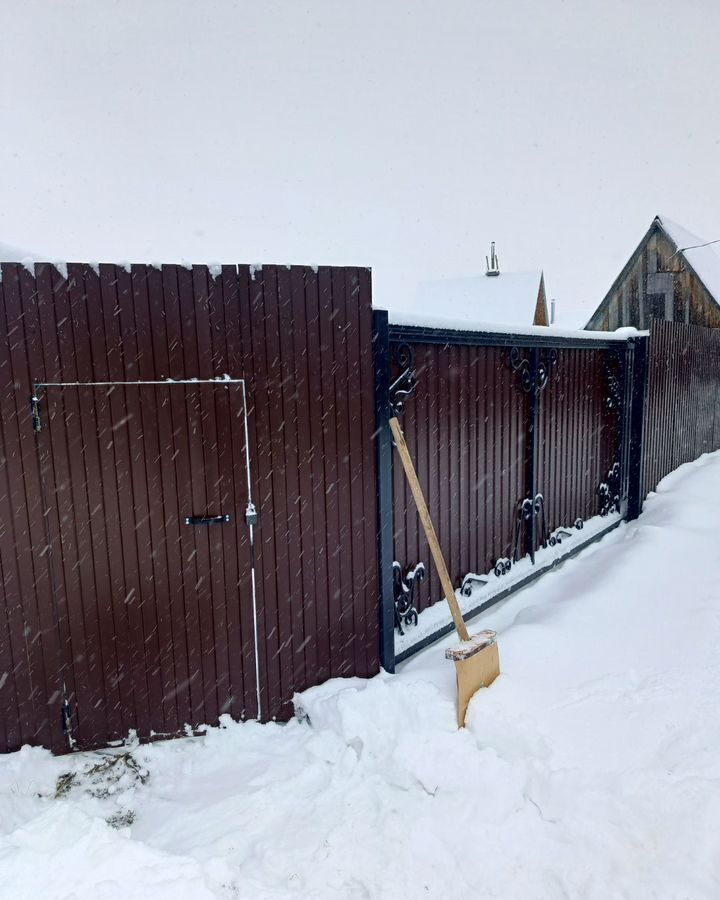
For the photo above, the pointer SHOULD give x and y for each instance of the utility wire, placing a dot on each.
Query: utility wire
(694, 247)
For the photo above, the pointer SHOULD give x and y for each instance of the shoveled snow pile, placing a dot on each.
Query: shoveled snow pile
(590, 769)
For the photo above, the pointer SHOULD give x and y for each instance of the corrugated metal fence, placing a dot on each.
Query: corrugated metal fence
(613, 418)
(682, 418)
(469, 427)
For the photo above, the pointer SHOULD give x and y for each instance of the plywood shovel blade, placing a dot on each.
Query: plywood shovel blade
(477, 665)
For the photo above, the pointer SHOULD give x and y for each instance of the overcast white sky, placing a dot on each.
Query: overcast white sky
(400, 135)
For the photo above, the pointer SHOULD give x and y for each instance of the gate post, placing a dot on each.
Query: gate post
(383, 456)
(634, 436)
(532, 457)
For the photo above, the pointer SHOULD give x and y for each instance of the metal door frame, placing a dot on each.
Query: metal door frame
(35, 402)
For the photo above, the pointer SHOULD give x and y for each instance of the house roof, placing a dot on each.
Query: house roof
(508, 299)
(703, 260)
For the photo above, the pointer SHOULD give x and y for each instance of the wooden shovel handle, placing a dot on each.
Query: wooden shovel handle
(429, 529)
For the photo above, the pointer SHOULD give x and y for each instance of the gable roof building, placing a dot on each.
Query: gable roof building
(511, 299)
(673, 275)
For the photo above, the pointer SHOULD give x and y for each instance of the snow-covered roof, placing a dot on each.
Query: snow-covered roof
(704, 260)
(506, 299)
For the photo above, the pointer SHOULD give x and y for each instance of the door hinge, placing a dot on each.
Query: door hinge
(35, 410)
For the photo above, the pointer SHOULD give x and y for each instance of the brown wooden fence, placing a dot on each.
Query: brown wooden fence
(115, 613)
(682, 418)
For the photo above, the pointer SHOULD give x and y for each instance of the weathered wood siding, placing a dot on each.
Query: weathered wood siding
(656, 284)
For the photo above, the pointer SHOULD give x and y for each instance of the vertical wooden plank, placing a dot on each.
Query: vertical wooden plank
(142, 605)
(15, 668)
(43, 635)
(176, 697)
(219, 500)
(68, 457)
(293, 596)
(252, 600)
(48, 362)
(156, 444)
(278, 478)
(302, 348)
(350, 370)
(218, 489)
(120, 326)
(195, 356)
(317, 454)
(238, 562)
(259, 412)
(179, 322)
(344, 550)
(225, 328)
(31, 370)
(90, 517)
(107, 366)
(369, 479)
(330, 442)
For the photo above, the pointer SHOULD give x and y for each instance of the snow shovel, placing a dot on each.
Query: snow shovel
(477, 663)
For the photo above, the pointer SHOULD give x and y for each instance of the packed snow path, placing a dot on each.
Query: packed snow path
(590, 769)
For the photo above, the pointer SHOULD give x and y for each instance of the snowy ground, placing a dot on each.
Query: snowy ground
(590, 769)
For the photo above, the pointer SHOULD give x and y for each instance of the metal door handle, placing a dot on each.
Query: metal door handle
(207, 520)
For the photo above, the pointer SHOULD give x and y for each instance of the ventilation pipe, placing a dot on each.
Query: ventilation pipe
(493, 264)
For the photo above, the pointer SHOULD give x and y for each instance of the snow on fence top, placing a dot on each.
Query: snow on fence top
(438, 320)
(11, 254)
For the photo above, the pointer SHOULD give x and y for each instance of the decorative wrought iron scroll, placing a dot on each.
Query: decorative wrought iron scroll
(525, 512)
(613, 375)
(469, 581)
(404, 385)
(404, 594)
(546, 361)
(609, 491)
